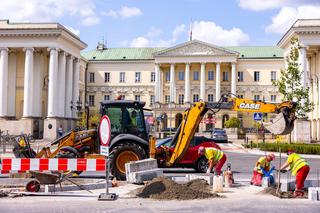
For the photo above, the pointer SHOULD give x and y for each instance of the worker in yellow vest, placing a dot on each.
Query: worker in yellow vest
(300, 168)
(216, 158)
(261, 166)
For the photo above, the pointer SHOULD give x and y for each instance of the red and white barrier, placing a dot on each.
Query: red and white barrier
(51, 164)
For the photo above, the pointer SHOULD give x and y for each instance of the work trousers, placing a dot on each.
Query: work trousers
(220, 164)
(301, 177)
(256, 178)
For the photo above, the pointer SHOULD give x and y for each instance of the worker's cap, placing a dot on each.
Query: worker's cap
(271, 156)
(201, 149)
(290, 151)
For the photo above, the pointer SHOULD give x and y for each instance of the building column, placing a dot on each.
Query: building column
(69, 85)
(12, 86)
(187, 84)
(314, 76)
(28, 83)
(318, 129)
(233, 79)
(37, 86)
(53, 78)
(203, 82)
(218, 82)
(157, 83)
(303, 66)
(172, 84)
(62, 83)
(318, 90)
(3, 82)
(75, 95)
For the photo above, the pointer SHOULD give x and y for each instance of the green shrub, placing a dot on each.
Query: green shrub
(298, 147)
(232, 123)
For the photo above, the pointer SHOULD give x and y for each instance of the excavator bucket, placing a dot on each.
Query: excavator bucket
(281, 125)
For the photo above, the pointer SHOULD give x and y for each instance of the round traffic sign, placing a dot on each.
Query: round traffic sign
(105, 130)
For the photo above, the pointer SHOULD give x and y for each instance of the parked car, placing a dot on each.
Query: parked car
(169, 129)
(219, 136)
(191, 159)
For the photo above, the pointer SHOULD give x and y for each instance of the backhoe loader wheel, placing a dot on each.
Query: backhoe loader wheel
(68, 154)
(123, 153)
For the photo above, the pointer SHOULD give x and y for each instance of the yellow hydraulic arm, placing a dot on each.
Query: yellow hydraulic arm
(192, 117)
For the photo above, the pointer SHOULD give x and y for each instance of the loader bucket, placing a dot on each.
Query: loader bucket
(281, 125)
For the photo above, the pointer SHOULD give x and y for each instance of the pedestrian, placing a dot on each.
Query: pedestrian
(216, 158)
(261, 167)
(60, 131)
(299, 167)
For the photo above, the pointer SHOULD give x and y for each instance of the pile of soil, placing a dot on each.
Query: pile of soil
(287, 195)
(163, 188)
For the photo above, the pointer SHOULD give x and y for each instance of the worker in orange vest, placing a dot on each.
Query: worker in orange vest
(261, 166)
(300, 168)
(216, 158)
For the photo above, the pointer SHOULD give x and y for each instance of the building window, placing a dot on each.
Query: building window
(256, 97)
(210, 76)
(240, 96)
(106, 97)
(196, 76)
(167, 99)
(181, 99)
(273, 76)
(210, 97)
(153, 77)
(91, 77)
(122, 97)
(240, 76)
(137, 97)
(256, 76)
(195, 98)
(225, 76)
(273, 98)
(152, 100)
(181, 75)
(91, 100)
(122, 77)
(107, 77)
(138, 77)
(167, 76)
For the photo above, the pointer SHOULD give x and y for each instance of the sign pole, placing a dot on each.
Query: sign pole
(104, 136)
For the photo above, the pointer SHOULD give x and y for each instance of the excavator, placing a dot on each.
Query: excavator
(130, 140)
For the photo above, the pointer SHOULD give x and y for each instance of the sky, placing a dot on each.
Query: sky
(165, 23)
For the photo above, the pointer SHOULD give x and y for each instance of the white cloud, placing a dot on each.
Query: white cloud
(73, 30)
(124, 13)
(49, 10)
(210, 32)
(259, 5)
(288, 15)
(204, 30)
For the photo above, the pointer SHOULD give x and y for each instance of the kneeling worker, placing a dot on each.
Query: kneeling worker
(216, 158)
(262, 166)
(300, 168)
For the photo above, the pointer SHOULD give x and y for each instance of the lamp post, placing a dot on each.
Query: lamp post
(156, 107)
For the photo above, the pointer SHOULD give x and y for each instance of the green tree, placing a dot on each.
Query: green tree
(289, 83)
(232, 123)
(94, 119)
(83, 120)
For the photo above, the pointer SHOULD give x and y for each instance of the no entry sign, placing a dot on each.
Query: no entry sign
(104, 134)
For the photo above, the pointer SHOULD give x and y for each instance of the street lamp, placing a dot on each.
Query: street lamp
(157, 106)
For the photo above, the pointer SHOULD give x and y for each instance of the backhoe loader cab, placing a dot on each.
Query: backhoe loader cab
(129, 138)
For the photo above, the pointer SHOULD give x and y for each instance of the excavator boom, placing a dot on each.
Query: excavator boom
(281, 125)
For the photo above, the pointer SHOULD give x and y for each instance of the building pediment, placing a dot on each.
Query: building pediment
(195, 48)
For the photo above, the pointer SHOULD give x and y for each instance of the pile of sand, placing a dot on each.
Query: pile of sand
(273, 191)
(163, 188)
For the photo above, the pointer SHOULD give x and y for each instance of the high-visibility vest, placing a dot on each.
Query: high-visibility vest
(296, 162)
(262, 162)
(214, 154)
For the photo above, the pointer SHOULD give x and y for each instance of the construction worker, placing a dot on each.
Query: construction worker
(216, 158)
(299, 167)
(261, 167)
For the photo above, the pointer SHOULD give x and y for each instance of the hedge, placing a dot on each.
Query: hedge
(298, 147)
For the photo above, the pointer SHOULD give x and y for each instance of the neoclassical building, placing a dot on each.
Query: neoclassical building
(43, 77)
(39, 78)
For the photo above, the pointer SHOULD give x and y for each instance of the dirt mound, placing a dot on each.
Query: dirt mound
(163, 188)
(273, 191)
